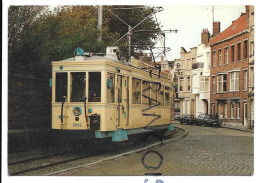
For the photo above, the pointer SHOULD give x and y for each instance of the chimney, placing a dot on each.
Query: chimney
(205, 36)
(216, 28)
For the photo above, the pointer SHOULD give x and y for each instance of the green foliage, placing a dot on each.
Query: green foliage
(38, 36)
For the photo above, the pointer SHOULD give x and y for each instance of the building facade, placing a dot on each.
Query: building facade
(187, 99)
(250, 101)
(229, 73)
(201, 78)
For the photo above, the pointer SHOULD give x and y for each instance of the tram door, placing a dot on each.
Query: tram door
(122, 101)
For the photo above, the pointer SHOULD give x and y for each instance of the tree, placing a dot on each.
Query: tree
(132, 15)
(38, 36)
(20, 43)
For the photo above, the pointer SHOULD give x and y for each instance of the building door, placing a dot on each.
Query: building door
(188, 107)
(245, 113)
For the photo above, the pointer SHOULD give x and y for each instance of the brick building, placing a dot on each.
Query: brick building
(229, 72)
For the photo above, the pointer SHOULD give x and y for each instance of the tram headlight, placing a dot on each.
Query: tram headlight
(77, 111)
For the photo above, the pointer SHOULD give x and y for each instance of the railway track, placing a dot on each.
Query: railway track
(102, 152)
(42, 166)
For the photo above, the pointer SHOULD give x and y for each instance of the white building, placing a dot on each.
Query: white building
(201, 79)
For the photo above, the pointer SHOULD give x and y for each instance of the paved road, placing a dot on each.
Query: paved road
(205, 151)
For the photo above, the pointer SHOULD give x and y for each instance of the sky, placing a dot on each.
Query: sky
(190, 20)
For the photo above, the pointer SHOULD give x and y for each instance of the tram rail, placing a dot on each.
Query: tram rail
(25, 167)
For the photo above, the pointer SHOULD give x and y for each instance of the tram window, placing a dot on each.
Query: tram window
(167, 96)
(61, 86)
(146, 92)
(154, 90)
(110, 88)
(78, 86)
(136, 91)
(161, 94)
(119, 89)
(94, 93)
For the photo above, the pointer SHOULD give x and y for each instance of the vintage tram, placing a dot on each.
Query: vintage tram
(110, 97)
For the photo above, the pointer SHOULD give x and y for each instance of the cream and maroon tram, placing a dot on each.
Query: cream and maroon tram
(111, 97)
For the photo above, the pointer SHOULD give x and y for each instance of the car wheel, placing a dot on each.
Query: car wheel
(206, 125)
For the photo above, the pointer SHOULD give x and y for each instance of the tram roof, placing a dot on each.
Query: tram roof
(92, 58)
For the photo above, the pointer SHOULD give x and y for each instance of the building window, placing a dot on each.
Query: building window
(226, 56)
(208, 59)
(238, 51)
(245, 49)
(178, 65)
(188, 84)
(252, 77)
(232, 53)
(219, 57)
(238, 110)
(231, 110)
(222, 83)
(245, 80)
(213, 59)
(252, 51)
(181, 83)
(234, 81)
(213, 85)
(204, 84)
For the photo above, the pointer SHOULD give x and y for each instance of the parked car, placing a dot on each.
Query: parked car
(208, 120)
(177, 117)
(187, 118)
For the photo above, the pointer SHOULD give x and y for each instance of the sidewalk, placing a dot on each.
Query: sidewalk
(230, 125)
(236, 126)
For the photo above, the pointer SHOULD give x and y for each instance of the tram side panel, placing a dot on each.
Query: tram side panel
(139, 119)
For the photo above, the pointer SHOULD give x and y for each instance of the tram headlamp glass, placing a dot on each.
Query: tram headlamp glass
(77, 111)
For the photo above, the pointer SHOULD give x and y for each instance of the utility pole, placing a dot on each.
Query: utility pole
(129, 40)
(213, 13)
(99, 23)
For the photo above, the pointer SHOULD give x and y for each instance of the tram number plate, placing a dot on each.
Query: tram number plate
(77, 124)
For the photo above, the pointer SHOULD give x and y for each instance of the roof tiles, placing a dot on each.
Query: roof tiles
(238, 26)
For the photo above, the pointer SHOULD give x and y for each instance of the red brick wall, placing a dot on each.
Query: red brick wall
(243, 64)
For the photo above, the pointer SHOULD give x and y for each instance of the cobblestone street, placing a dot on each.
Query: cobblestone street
(205, 151)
